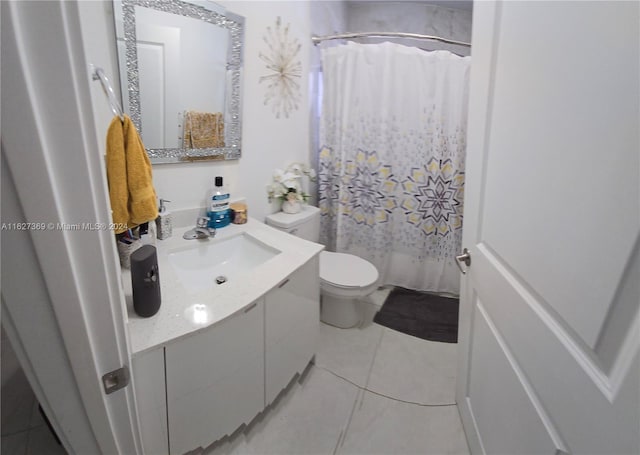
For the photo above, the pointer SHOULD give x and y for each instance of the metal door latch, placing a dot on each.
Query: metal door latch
(115, 380)
(464, 257)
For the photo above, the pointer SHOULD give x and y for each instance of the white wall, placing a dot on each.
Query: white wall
(267, 142)
(412, 17)
(329, 17)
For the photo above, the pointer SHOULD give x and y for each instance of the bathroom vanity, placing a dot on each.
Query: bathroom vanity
(216, 355)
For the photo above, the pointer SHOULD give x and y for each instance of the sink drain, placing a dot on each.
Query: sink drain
(221, 279)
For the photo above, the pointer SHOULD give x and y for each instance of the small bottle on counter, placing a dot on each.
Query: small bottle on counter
(147, 233)
(164, 225)
(218, 209)
(238, 212)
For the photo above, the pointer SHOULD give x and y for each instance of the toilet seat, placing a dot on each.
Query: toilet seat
(344, 278)
(346, 271)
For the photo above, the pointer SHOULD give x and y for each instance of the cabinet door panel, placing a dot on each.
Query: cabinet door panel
(292, 318)
(148, 379)
(215, 380)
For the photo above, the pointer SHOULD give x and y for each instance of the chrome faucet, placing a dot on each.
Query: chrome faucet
(201, 231)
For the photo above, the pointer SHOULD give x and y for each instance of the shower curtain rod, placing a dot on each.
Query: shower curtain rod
(317, 39)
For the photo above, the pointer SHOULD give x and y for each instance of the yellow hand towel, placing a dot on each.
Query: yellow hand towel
(133, 198)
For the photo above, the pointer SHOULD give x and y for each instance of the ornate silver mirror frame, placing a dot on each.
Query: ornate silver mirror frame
(233, 119)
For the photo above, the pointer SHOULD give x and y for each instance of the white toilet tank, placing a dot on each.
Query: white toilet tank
(305, 224)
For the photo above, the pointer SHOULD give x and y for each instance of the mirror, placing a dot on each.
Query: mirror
(181, 65)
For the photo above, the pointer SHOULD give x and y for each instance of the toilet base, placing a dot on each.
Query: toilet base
(339, 312)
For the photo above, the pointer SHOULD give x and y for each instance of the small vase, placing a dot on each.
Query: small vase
(291, 206)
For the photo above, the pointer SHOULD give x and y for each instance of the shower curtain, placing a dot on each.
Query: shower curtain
(391, 160)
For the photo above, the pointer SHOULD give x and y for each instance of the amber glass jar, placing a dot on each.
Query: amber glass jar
(238, 212)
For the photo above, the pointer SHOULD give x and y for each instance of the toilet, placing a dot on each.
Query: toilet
(344, 278)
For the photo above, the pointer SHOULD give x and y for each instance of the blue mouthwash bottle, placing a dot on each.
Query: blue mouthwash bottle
(218, 210)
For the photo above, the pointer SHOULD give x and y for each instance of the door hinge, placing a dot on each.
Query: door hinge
(115, 380)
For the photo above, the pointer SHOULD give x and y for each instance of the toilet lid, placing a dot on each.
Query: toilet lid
(346, 270)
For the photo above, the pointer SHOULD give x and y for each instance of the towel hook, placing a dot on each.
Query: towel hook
(98, 74)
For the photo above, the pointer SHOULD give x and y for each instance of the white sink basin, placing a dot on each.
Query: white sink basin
(199, 264)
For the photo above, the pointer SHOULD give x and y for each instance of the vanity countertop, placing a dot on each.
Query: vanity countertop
(172, 323)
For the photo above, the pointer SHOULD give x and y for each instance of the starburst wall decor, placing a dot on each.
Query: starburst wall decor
(285, 70)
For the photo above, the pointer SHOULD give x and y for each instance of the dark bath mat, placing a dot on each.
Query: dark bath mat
(427, 316)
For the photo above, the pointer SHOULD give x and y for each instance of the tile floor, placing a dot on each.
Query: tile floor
(371, 390)
(24, 431)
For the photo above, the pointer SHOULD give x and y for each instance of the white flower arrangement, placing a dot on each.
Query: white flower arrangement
(287, 184)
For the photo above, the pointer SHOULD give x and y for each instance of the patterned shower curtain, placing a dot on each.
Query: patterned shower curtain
(391, 160)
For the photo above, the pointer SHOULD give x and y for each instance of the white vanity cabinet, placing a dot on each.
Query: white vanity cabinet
(292, 318)
(195, 390)
(215, 380)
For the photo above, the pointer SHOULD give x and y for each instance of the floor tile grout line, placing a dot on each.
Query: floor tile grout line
(335, 448)
(26, 446)
(26, 430)
(35, 410)
(343, 433)
(375, 355)
(365, 389)
(360, 395)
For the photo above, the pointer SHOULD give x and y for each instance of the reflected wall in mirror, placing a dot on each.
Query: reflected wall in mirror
(181, 64)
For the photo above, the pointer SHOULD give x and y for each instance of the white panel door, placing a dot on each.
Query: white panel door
(549, 319)
(158, 49)
(62, 301)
